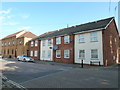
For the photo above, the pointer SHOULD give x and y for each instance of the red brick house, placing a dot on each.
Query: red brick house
(91, 42)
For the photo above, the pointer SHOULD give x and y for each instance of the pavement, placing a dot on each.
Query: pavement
(58, 75)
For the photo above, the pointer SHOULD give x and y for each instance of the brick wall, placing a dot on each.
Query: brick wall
(110, 44)
(63, 47)
(35, 48)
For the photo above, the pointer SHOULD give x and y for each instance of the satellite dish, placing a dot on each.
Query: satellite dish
(55, 47)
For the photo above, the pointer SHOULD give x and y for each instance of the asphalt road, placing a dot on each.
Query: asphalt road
(32, 75)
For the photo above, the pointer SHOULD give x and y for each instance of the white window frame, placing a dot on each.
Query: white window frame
(94, 54)
(2, 44)
(49, 42)
(8, 43)
(13, 42)
(31, 53)
(5, 43)
(66, 39)
(36, 42)
(81, 54)
(66, 53)
(58, 52)
(81, 38)
(35, 53)
(32, 43)
(43, 42)
(49, 53)
(58, 40)
(20, 41)
(93, 36)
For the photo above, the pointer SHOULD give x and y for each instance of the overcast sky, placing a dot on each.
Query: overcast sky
(41, 17)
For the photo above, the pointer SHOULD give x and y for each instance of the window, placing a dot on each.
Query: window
(5, 43)
(49, 42)
(58, 53)
(2, 44)
(58, 40)
(66, 53)
(94, 37)
(94, 54)
(8, 51)
(49, 53)
(8, 43)
(43, 42)
(36, 43)
(35, 53)
(13, 42)
(81, 38)
(20, 41)
(32, 43)
(31, 53)
(12, 51)
(82, 54)
(66, 39)
(43, 53)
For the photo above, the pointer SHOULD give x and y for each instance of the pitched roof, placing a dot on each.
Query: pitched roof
(100, 24)
(23, 34)
(28, 35)
(12, 35)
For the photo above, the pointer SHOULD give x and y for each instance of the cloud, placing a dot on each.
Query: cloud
(24, 28)
(6, 11)
(2, 18)
(10, 23)
(24, 16)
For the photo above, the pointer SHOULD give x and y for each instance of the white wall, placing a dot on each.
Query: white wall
(46, 48)
(87, 46)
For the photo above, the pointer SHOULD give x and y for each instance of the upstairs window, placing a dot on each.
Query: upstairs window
(36, 43)
(43, 42)
(81, 38)
(5, 43)
(8, 43)
(2, 44)
(66, 39)
(32, 43)
(13, 42)
(94, 36)
(20, 41)
(49, 42)
(58, 40)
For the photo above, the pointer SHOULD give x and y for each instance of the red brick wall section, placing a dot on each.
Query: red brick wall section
(63, 47)
(35, 48)
(110, 44)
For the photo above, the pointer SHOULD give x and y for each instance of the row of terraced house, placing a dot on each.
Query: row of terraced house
(93, 41)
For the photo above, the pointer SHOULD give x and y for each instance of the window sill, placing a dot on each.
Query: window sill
(93, 41)
(82, 58)
(66, 57)
(58, 57)
(81, 42)
(94, 59)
